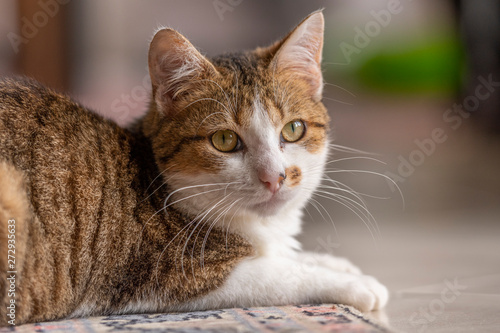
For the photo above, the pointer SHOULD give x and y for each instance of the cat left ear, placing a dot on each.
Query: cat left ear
(300, 53)
(175, 67)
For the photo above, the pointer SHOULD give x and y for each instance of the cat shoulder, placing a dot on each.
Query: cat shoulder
(31, 100)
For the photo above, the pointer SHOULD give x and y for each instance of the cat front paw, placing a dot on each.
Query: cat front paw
(378, 290)
(341, 265)
(365, 293)
(334, 263)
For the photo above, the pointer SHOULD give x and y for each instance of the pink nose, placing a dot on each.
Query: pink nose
(272, 181)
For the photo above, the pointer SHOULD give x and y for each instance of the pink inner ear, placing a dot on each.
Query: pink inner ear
(301, 52)
(174, 65)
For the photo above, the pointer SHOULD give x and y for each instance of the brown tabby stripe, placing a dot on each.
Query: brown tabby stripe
(315, 124)
(178, 148)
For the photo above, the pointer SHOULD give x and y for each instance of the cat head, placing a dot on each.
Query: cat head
(241, 133)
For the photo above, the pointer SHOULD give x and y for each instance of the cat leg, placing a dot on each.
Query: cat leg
(266, 281)
(335, 263)
(14, 214)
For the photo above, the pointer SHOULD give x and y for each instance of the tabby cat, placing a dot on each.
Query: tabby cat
(195, 207)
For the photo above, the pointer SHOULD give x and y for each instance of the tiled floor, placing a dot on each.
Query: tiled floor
(440, 256)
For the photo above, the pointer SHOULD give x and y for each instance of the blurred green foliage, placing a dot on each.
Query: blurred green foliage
(433, 68)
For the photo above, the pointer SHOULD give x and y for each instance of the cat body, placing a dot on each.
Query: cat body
(195, 208)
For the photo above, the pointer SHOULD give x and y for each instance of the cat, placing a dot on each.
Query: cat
(194, 207)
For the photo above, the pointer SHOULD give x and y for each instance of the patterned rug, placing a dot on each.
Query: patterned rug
(302, 318)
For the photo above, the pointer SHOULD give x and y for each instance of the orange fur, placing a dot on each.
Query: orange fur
(293, 176)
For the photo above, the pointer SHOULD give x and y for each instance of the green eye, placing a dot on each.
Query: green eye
(293, 131)
(225, 140)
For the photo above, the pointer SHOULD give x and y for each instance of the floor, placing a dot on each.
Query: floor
(439, 255)
(440, 279)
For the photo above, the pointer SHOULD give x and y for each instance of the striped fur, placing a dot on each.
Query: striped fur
(97, 232)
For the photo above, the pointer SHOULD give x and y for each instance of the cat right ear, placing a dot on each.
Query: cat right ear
(300, 53)
(175, 67)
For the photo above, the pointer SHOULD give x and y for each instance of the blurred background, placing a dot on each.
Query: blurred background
(413, 83)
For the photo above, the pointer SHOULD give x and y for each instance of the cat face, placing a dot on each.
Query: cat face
(240, 133)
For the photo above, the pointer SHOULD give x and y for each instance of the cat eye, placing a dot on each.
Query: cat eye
(293, 131)
(225, 140)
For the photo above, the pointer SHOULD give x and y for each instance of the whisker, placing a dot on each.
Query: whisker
(223, 91)
(223, 213)
(235, 95)
(373, 173)
(361, 208)
(337, 63)
(159, 187)
(315, 203)
(231, 220)
(206, 99)
(341, 88)
(345, 149)
(165, 206)
(337, 188)
(161, 173)
(191, 187)
(343, 187)
(338, 101)
(166, 246)
(208, 219)
(362, 218)
(348, 190)
(355, 158)
(206, 118)
(189, 237)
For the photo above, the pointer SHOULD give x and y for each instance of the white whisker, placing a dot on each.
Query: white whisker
(372, 173)
(191, 234)
(355, 158)
(315, 203)
(362, 218)
(231, 220)
(338, 101)
(223, 91)
(206, 118)
(361, 208)
(161, 173)
(223, 213)
(345, 149)
(207, 99)
(341, 88)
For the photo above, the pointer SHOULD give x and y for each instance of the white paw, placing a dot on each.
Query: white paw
(365, 293)
(379, 291)
(337, 264)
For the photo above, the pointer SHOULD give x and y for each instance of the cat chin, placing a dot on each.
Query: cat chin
(275, 205)
(268, 208)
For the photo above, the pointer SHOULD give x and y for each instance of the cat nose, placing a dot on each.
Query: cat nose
(272, 181)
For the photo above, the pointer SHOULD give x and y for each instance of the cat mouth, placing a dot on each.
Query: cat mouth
(270, 206)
